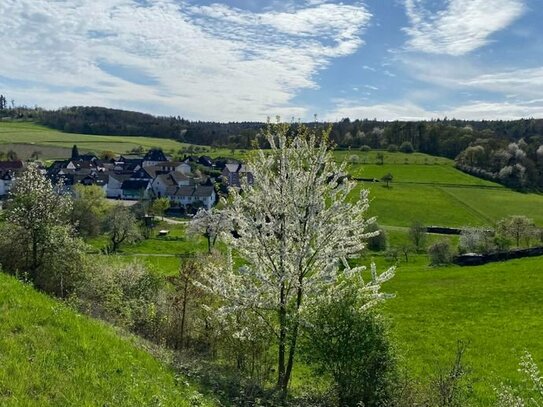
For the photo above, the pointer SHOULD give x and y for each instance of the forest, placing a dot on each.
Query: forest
(507, 152)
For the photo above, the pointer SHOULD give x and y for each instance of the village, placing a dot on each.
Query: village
(192, 183)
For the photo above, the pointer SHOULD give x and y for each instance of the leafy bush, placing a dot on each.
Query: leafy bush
(378, 242)
(352, 346)
(407, 147)
(440, 253)
(365, 148)
(474, 240)
(392, 148)
(124, 294)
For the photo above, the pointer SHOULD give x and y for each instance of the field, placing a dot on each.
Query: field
(26, 138)
(51, 356)
(496, 308)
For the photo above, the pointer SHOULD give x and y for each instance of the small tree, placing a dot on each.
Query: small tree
(293, 228)
(12, 155)
(417, 235)
(121, 227)
(37, 238)
(517, 228)
(388, 179)
(210, 223)
(440, 253)
(89, 209)
(380, 158)
(75, 152)
(159, 206)
(407, 147)
(378, 241)
(392, 148)
(352, 346)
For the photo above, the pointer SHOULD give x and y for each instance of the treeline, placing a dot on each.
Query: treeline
(443, 137)
(518, 165)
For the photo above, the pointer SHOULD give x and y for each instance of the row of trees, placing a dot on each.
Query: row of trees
(517, 165)
(436, 137)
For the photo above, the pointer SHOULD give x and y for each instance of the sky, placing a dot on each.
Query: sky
(246, 60)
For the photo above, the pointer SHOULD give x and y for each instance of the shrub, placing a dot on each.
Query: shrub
(440, 253)
(474, 240)
(392, 148)
(352, 346)
(407, 147)
(365, 148)
(378, 242)
(124, 294)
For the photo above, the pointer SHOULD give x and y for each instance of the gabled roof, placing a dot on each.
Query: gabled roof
(197, 191)
(11, 165)
(134, 184)
(155, 155)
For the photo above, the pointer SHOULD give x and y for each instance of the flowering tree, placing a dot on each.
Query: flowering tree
(294, 229)
(38, 238)
(210, 223)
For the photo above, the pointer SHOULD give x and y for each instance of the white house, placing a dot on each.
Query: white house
(191, 195)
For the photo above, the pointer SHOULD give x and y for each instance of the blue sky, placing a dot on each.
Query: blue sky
(249, 59)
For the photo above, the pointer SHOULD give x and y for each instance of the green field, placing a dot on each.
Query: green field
(51, 356)
(496, 308)
(26, 137)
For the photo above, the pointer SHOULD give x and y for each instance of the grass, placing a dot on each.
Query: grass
(27, 137)
(38, 136)
(51, 356)
(496, 308)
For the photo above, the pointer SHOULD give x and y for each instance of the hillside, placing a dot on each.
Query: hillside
(51, 356)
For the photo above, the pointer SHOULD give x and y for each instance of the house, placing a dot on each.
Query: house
(233, 173)
(153, 157)
(8, 173)
(6, 181)
(192, 195)
(114, 185)
(133, 189)
(162, 182)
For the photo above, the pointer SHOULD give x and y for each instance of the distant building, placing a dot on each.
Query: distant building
(154, 157)
(233, 173)
(8, 173)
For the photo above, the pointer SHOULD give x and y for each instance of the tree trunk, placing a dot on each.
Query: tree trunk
(282, 342)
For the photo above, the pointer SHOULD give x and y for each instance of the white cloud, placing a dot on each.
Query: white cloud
(404, 110)
(213, 62)
(463, 26)
(385, 111)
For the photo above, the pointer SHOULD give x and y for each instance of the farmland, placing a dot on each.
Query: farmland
(495, 308)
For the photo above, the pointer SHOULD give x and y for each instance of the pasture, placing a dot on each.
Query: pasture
(51, 356)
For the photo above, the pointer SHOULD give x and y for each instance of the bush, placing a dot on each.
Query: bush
(379, 242)
(407, 147)
(365, 148)
(475, 240)
(351, 346)
(392, 148)
(124, 294)
(440, 253)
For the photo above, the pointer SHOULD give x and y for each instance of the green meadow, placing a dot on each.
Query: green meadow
(26, 137)
(495, 308)
(51, 356)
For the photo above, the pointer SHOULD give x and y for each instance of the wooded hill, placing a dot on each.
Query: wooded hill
(440, 137)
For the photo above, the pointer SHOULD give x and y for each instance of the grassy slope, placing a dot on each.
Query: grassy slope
(495, 307)
(27, 137)
(51, 356)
